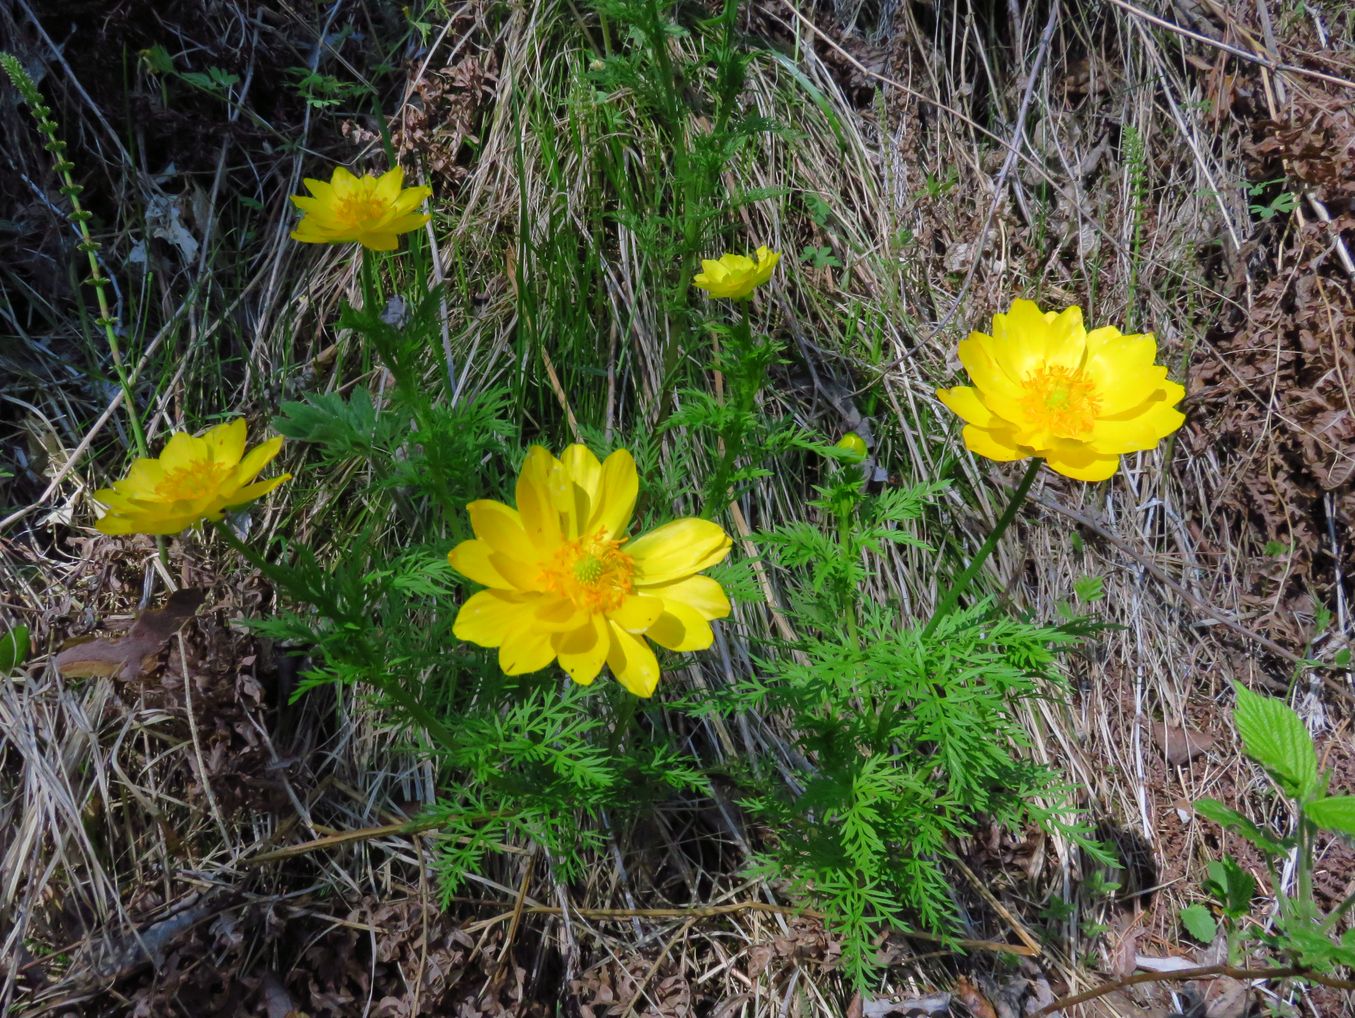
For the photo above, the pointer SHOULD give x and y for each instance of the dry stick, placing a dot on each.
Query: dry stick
(342, 838)
(1022, 934)
(1184, 975)
(1241, 54)
(712, 911)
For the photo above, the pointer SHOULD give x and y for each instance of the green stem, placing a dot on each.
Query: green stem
(63, 166)
(283, 579)
(952, 595)
(844, 538)
(742, 393)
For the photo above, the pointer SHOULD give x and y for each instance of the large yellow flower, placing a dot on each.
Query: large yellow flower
(736, 276)
(1044, 386)
(195, 478)
(371, 211)
(566, 582)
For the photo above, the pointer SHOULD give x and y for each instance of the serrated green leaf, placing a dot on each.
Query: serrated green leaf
(1231, 885)
(1335, 813)
(13, 649)
(1274, 736)
(1212, 809)
(1199, 923)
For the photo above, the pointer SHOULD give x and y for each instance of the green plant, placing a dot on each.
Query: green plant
(906, 733)
(1302, 935)
(1282, 203)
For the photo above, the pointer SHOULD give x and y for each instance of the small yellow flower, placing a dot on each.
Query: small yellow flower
(565, 581)
(1044, 386)
(371, 211)
(195, 478)
(736, 276)
(853, 445)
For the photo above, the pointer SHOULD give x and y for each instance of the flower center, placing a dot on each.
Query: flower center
(591, 572)
(360, 208)
(192, 483)
(1060, 401)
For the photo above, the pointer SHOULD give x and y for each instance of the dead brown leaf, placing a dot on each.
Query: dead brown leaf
(126, 657)
(1181, 745)
(968, 994)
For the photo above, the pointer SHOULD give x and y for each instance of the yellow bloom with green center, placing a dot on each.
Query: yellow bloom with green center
(371, 211)
(1044, 386)
(195, 478)
(736, 276)
(566, 581)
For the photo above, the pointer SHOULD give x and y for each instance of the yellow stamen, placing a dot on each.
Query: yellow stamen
(1061, 401)
(592, 572)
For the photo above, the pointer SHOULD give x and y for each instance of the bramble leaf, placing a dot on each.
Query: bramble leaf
(1335, 813)
(1274, 736)
(1212, 809)
(1199, 923)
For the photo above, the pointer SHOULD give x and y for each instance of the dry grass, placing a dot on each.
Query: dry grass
(1005, 150)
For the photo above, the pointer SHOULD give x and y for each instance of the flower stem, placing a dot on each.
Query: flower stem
(952, 595)
(741, 392)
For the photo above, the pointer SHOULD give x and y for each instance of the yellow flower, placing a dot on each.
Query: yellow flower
(194, 479)
(1044, 386)
(736, 276)
(854, 446)
(373, 211)
(565, 581)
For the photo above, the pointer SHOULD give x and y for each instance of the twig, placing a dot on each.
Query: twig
(1184, 975)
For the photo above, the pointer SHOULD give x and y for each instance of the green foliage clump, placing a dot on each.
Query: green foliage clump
(1302, 935)
(904, 736)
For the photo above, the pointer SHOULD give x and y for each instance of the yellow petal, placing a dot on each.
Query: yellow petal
(1081, 462)
(1142, 428)
(182, 450)
(1025, 339)
(558, 615)
(968, 404)
(247, 494)
(387, 187)
(995, 445)
(701, 593)
(537, 510)
(574, 487)
(490, 615)
(681, 628)
(632, 662)
(378, 241)
(526, 650)
(636, 613)
(617, 491)
(583, 651)
(524, 576)
(256, 459)
(501, 528)
(1001, 393)
(471, 560)
(227, 442)
(343, 182)
(677, 550)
